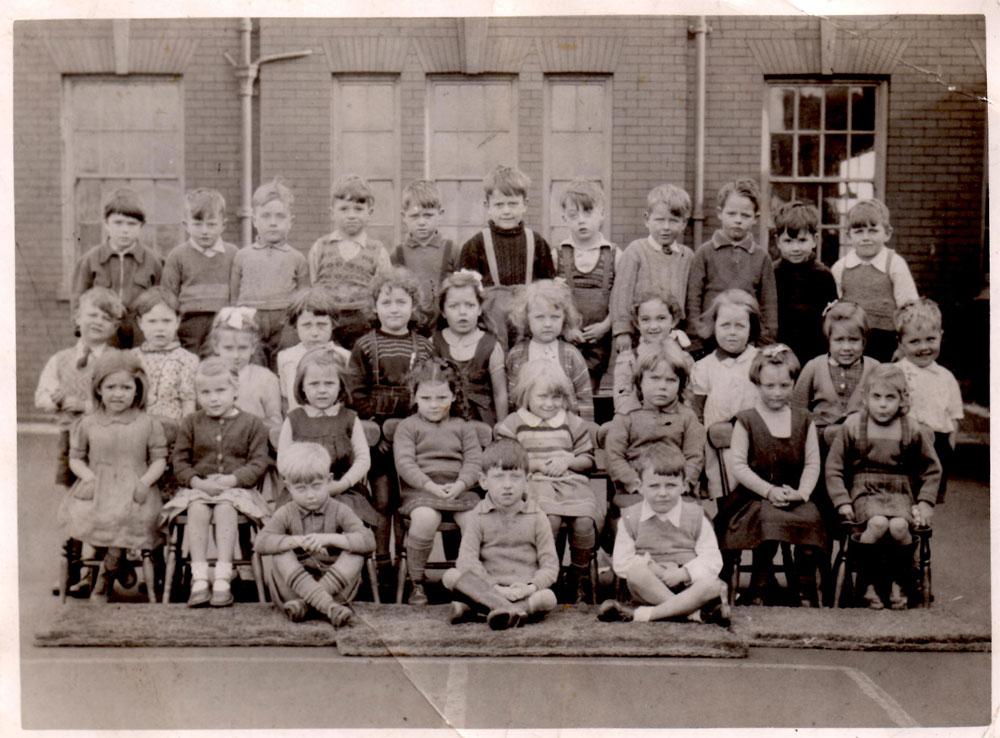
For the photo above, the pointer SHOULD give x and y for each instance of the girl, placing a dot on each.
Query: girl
(320, 416)
(720, 381)
(547, 321)
(117, 453)
(437, 458)
(219, 458)
(776, 465)
(474, 351)
(559, 451)
(381, 361)
(883, 472)
(654, 317)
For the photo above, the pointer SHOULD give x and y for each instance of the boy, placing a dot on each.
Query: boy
(266, 273)
(587, 261)
(732, 259)
(423, 251)
(874, 276)
(657, 263)
(507, 561)
(935, 398)
(121, 263)
(347, 259)
(197, 271)
(666, 550)
(805, 286)
(507, 253)
(317, 545)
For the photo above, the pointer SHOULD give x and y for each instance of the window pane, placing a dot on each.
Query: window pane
(862, 161)
(832, 211)
(808, 156)
(782, 109)
(781, 155)
(810, 105)
(836, 108)
(830, 246)
(835, 155)
(807, 193)
(863, 108)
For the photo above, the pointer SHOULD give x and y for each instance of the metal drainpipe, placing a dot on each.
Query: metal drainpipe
(700, 31)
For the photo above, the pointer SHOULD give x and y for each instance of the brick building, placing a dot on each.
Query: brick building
(823, 110)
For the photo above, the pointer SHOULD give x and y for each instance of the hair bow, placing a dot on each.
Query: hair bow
(237, 318)
(473, 274)
(829, 307)
(774, 351)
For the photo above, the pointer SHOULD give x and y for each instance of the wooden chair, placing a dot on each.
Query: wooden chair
(71, 558)
(850, 581)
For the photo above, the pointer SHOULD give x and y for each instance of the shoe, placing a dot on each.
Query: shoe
(613, 611)
(505, 618)
(873, 599)
(295, 610)
(897, 600)
(339, 615)
(418, 598)
(461, 613)
(583, 596)
(756, 601)
(717, 611)
(806, 602)
(221, 597)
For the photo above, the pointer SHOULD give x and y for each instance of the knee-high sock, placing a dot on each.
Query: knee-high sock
(417, 552)
(333, 582)
(309, 589)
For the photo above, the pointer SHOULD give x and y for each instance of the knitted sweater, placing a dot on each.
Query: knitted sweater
(332, 517)
(511, 252)
(265, 277)
(646, 267)
(804, 290)
(200, 282)
(442, 452)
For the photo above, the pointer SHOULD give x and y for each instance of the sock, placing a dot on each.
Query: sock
(310, 590)
(642, 614)
(417, 552)
(695, 617)
(333, 582)
(580, 557)
(199, 571)
(223, 573)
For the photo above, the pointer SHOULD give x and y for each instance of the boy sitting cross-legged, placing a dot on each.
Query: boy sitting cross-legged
(507, 560)
(317, 545)
(666, 550)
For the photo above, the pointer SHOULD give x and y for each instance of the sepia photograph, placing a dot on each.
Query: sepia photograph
(534, 369)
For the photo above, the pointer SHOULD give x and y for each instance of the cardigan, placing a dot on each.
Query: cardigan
(814, 391)
(236, 444)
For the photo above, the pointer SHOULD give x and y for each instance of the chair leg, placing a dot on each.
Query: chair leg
(258, 576)
(172, 553)
(401, 577)
(925, 569)
(373, 580)
(64, 575)
(149, 576)
(734, 575)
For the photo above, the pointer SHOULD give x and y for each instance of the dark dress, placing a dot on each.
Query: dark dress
(592, 297)
(474, 374)
(746, 519)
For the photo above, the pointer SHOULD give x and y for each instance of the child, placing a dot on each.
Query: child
(935, 398)
(506, 251)
(168, 367)
(547, 321)
(219, 458)
(266, 273)
(659, 262)
(805, 286)
(507, 561)
(347, 259)
(882, 471)
(831, 385)
(117, 453)
(560, 452)
(776, 464)
(720, 381)
(423, 251)
(665, 549)
(320, 416)
(587, 262)
(121, 263)
(313, 314)
(437, 460)
(732, 259)
(197, 271)
(317, 545)
(660, 378)
(873, 275)
(475, 351)
(655, 316)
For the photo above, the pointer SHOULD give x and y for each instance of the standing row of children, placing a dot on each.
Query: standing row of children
(231, 303)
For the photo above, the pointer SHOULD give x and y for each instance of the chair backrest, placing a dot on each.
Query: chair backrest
(483, 431)
(720, 435)
(372, 432)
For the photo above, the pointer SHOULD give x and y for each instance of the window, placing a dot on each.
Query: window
(577, 143)
(121, 132)
(471, 129)
(825, 144)
(366, 141)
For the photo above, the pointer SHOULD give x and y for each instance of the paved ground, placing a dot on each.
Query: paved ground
(317, 688)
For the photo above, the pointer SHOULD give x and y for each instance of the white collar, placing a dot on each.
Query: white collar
(880, 261)
(674, 248)
(933, 367)
(672, 516)
(215, 248)
(315, 412)
(533, 421)
(95, 351)
(361, 238)
(747, 356)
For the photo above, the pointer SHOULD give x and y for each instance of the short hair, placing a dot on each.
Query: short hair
(668, 300)
(795, 217)
(423, 193)
(660, 458)
(326, 357)
(509, 181)
(555, 292)
(104, 300)
(921, 312)
(844, 312)
(125, 201)
(354, 188)
(677, 200)
(747, 188)
(204, 203)
(303, 461)
(111, 361)
(736, 298)
(276, 189)
(317, 300)
(504, 453)
(583, 194)
(215, 366)
(544, 374)
(893, 377)
(870, 212)
(666, 352)
(242, 319)
(436, 369)
(149, 299)
(777, 354)
(398, 277)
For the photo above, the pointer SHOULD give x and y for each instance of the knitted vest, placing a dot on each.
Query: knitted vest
(591, 290)
(474, 374)
(871, 288)
(661, 539)
(348, 279)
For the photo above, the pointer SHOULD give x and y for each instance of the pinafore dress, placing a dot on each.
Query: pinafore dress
(592, 297)
(474, 375)
(880, 484)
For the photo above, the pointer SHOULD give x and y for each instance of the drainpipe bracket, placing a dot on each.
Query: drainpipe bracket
(694, 30)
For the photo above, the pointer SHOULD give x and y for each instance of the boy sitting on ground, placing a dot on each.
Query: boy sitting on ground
(666, 550)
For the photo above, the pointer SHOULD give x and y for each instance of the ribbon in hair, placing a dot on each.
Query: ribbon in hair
(237, 318)
(829, 307)
(774, 351)
(474, 274)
